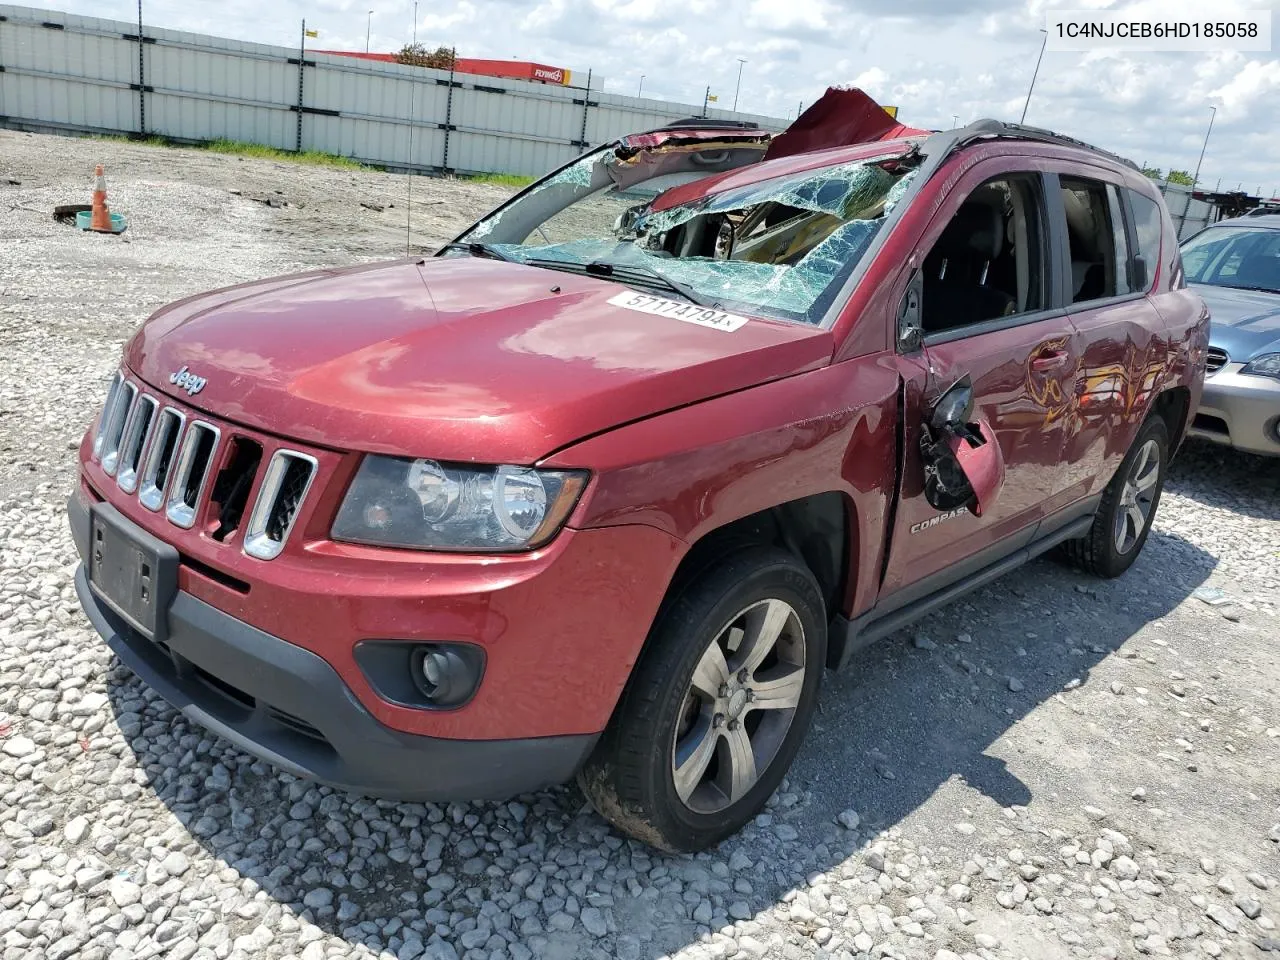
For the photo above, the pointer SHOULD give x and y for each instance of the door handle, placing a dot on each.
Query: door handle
(1049, 360)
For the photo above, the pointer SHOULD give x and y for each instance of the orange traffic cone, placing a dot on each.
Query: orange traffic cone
(101, 220)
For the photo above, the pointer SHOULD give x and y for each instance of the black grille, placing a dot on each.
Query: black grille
(296, 724)
(292, 487)
(231, 489)
(1216, 359)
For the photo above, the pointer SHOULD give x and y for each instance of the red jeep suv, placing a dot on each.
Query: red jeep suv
(603, 486)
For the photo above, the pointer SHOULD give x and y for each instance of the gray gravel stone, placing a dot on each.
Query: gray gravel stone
(19, 746)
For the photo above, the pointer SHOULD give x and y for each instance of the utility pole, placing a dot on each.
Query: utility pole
(1034, 74)
(641, 87)
(1196, 179)
(302, 67)
(368, 27)
(142, 78)
(737, 88)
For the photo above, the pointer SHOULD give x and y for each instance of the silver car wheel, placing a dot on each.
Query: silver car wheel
(1136, 497)
(739, 706)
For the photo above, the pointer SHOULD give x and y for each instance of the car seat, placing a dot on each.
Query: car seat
(956, 290)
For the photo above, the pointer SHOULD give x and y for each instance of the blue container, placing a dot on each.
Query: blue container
(85, 217)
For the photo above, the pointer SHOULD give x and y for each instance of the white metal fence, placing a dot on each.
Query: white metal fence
(71, 73)
(1190, 215)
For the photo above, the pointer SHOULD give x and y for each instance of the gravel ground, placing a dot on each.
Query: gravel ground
(1054, 767)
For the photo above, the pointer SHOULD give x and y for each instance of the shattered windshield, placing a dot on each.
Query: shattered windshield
(774, 248)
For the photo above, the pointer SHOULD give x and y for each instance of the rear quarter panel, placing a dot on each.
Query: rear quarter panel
(1186, 318)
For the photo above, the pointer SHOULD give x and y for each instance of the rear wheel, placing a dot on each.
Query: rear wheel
(1128, 507)
(717, 706)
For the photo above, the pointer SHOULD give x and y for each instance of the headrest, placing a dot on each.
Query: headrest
(976, 228)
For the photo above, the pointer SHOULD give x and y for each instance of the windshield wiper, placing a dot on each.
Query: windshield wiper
(480, 250)
(1238, 286)
(650, 275)
(634, 273)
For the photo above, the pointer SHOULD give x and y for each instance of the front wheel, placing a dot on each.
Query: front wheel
(717, 706)
(1128, 507)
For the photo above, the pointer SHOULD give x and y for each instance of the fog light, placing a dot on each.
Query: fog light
(443, 675)
(423, 676)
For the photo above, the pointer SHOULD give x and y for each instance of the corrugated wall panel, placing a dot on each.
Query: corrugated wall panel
(206, 88)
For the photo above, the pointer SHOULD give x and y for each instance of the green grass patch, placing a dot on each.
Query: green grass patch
(240, 149)
(514, 180)
(313, 157)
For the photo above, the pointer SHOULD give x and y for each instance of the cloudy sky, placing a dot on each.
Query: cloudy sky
(937, 59)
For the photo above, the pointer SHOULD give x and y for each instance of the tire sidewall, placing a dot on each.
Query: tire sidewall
(1112, 559)
(701, 615)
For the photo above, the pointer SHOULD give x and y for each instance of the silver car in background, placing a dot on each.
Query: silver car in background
(1235, 266)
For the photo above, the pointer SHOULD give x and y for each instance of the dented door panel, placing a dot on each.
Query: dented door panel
(1025, 410)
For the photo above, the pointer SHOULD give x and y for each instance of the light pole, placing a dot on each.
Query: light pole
(741, 62)
(955, 120)
(1196, 179)
(368, 27)
(1034, 74)
(641, 87)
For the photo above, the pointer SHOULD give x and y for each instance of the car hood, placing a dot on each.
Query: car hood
(463, 359)
(1244, 323)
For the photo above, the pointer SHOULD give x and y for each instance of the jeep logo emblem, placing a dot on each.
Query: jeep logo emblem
(184, 379)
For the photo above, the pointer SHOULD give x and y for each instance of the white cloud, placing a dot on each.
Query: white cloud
(789, 15)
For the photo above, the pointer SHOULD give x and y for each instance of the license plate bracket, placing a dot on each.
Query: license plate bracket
(135, 574)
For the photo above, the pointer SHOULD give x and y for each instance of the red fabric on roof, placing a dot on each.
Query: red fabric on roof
(839, 118)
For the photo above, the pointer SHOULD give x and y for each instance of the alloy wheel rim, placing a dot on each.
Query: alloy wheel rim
(740, 703)
(1136, 497)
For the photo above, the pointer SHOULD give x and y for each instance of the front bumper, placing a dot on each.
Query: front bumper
(289, 707)
(1240, 410)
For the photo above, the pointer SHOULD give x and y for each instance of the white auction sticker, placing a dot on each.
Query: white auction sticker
(679, 310)
(1229, 27)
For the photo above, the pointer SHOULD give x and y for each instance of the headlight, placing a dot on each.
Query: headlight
(426, 505)
(1267, 365)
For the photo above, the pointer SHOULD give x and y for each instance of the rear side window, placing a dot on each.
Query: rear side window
(1146, 228)
(1096, 234)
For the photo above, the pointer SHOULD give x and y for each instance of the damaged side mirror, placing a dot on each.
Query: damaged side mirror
(963, 466)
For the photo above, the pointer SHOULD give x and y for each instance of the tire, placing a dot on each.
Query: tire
(631, 777)
(1100, 552)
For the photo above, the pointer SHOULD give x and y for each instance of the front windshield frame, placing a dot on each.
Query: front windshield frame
(1231, 237)
(901, 160)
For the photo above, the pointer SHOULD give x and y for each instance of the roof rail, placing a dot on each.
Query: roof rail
(706, 123)
(980, 129)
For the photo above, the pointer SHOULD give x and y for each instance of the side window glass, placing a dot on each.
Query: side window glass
(988, 262)
(1123, 283)
(1146, 228)
(1091, 232)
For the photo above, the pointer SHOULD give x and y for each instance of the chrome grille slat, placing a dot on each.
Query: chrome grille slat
(1216, 359)
(108, 410)
(190, 477)
(169, 460)
(284, 487)
(121, 407)
(168, 436)
(137, 432)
